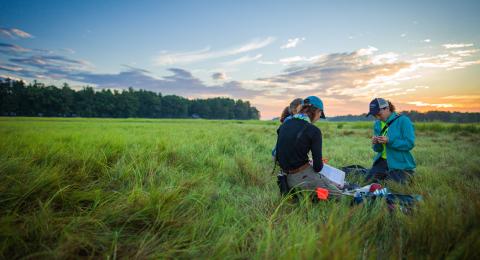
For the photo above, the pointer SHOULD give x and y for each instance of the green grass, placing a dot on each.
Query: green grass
(141, 188)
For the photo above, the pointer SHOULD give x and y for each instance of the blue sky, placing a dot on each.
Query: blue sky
(421, 54)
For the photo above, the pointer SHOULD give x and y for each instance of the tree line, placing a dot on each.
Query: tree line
(36, 99)
(430, 116)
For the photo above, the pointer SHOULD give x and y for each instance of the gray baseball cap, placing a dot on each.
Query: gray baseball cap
(376, 105)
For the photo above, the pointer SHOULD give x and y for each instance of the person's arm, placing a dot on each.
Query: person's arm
(317, 150)
(376, 132)
(405, 141)
(274, 150)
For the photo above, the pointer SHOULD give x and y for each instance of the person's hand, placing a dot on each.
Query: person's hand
(374, 140)
(382, 139)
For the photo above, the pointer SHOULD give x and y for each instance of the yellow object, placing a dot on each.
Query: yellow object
(384, 151)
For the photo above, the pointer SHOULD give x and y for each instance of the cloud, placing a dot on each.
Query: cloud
(338, 75)
(457, 45)
(68, 50)
(242, 60)
(298, 59)
(219, 76)
(37, 63)
(14, 33)
(427, 40)
(12, 49)
(357, 75)
(339, 78)
(449, 61)
(462, 97)
(265, 62)
(424, 104)
(464, 53)
(10, 68)
(389, 57)
(166, 58)
(136, 69)
(52, 64)
(8, 77)
(292, 43)
(366, 51)
(32, 64)
(181, 82)
(403, 35)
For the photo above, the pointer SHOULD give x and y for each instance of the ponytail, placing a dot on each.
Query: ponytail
(285, 114)
(391, 106)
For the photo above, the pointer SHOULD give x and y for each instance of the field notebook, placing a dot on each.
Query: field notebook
(334, 175)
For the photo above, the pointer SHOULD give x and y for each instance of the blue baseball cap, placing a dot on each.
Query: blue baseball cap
(316, 102)
(376, 105)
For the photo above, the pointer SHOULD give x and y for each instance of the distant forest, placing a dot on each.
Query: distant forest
(18, 99)
(431, 116)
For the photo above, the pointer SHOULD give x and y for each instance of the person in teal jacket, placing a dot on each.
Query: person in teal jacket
(394, 138)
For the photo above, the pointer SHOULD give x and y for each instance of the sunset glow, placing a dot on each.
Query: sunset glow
(422, 56)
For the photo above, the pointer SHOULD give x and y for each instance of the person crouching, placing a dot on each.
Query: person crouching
(296, 138)
(393, 141)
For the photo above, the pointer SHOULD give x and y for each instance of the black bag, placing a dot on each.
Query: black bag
(355, 169)
(282, 184)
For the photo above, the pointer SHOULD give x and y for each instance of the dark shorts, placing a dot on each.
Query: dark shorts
(380, 172)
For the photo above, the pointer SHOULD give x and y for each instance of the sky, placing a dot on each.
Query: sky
(421, 55)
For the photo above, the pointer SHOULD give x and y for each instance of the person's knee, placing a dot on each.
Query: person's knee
(400, 176)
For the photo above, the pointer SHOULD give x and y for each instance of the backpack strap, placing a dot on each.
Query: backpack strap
(388, 124)
(301, 133)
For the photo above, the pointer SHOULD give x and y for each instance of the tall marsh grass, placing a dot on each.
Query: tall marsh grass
(141, 188)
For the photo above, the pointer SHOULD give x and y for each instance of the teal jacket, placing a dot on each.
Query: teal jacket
(401, 140)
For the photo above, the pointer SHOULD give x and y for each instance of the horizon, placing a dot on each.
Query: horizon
(421, 56)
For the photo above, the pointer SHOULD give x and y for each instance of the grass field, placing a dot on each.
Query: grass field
(139, 188)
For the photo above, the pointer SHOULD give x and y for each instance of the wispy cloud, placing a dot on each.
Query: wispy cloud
(68, 50)
(242, 60)
(14, 33)
(424, 104)
(449, 61)
(10, 68)
(36, 63)
(427, 40)
(12, 49)
(462, 97)
(52, 63)
(169, 58)
(292, 43)
(464, 53)
(266, 62)
(298, 59)
(457, 45)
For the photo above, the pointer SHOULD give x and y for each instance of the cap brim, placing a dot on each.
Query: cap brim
(322, 115)
(374, 112)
